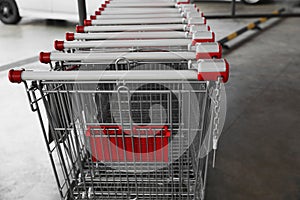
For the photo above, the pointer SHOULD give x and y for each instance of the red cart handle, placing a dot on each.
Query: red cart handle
(14, 76)
(45, 57)
(70, 36)
(87, 22)
(59, 45)
(79, 29)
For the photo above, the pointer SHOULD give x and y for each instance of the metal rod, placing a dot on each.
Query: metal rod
(110, 75)
(81, 11)
(110, 57)
(158, 27)
(128, 43)
(233, 7)
(281, 15)
(250, 26)
(131, 35)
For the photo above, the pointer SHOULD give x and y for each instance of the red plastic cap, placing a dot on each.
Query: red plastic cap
(208, 28)
(80, 29)
(45, 57)
(187, 2)
(93, 17)
(225, 75)
(70, 36)
(212, 39)
(213, 76)
(103, 5)
(87, 22)
(107, 1)
(101, 8)
(209, 55)
(97, 12)
(59, 45)
(221, 50)
(15, 76)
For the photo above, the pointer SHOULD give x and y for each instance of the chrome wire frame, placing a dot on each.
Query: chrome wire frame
(152, 132)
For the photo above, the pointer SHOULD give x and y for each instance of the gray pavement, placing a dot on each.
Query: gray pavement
(259, 156)
(259, 151)
(28, 38)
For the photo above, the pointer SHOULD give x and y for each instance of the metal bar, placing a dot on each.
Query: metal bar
(140, 1)
(135, 16)
(233, 7)
(128, 43)
(158, 27)
(139, 21)
(248, 27)
(118, 11)
(281, 15)
(41, 120)
(110, 57)
(110, 75)
(81, 11)
(141, 5)
(130, 35)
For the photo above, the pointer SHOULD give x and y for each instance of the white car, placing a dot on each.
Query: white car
(11, 11)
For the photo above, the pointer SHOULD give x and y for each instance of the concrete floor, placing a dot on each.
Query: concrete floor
(259, 156)
(259, 150)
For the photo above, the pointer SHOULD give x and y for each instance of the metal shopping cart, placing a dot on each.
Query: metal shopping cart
(129, 114)
(124, 134)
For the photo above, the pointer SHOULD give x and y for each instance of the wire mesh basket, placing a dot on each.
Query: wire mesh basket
(130, 104)
(129, 139)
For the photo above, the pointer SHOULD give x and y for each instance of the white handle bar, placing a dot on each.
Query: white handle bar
(138, 21)
(141, 5)
(160, 15)
(127, 35)
(109, 75)
(60, 45)
(122, 11)
(204, 70)
(158, 27)
(87, 57)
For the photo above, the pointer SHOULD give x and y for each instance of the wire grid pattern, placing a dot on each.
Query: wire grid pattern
(179, 106)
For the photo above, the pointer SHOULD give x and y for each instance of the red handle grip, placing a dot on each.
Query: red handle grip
(80, 29)
(93, 17)
(45, 57)
(88, 22)
(187, 2)
(70, 36)
(59, 45)
(15, 76)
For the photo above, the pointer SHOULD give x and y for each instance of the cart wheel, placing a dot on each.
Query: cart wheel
(9, 12)
(251, 1)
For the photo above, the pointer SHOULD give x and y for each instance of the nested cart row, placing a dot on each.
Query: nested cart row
(132, 102)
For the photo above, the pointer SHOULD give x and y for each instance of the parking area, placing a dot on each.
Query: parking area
(259, 150)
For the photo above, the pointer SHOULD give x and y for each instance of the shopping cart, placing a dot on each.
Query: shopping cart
(124, 134)
(128, 113)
